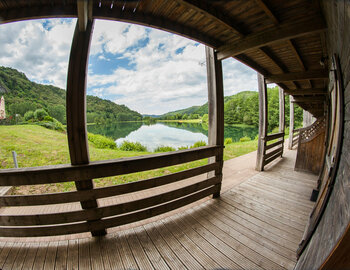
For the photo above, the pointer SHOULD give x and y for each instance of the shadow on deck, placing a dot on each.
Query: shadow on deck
(257, 223)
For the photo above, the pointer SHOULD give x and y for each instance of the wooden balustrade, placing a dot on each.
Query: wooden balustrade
(295, 137)
(274, 149)
(107, 216)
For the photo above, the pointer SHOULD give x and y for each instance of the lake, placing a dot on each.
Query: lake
(166, 134)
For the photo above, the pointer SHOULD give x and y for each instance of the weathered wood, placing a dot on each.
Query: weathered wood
(291, 123)
(297, 76)
(84, 8)
(272, 145)
(76, 101)
(272, 35)
(274, 136)
(262, 122)
(98, 193)
(272, 153)
(306, 91)
(213, 13)
(98, 169)
(311, 99)
(105, 211)
(96, 225)
(215, 107)
(269, 160)
(268, 11)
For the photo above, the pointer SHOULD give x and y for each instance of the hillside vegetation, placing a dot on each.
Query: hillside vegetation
(22, 95)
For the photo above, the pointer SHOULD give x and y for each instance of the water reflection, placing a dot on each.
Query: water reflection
(172, 134)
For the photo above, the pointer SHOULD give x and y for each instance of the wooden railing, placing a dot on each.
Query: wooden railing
(107, 216)
(274, 149)
(295, 137)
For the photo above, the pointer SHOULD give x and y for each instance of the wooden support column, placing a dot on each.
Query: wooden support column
(291, 122)
(262, 123)
(216, 108)
(281, 114)
(76, 107)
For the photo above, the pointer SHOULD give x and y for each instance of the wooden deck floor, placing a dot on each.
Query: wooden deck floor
(256, 224)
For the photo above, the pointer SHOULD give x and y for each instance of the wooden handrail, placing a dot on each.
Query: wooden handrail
(274, 136)
(98, 169)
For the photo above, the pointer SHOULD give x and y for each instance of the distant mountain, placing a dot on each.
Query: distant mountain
(203, 109)
(22, 95)
(151, 115)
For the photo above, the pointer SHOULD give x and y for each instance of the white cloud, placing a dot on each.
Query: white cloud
(40, 52)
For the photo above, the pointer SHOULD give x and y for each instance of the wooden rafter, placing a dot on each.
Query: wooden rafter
(308, 91)
(268, 11)
(298, 76)
(311, 99)
(272, 35)
(213, 13)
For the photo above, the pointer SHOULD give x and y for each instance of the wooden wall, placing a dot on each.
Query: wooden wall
(329, 243)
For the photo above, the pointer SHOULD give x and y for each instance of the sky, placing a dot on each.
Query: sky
(148, 70)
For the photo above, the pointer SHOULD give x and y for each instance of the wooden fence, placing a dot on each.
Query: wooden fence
(103, 217)
(273, 147)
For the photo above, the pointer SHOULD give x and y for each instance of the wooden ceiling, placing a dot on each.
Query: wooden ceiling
(283, 40)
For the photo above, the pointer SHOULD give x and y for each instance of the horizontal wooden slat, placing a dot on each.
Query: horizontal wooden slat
(272, 153)
(98, 169)
(106, 211)
(108, 222)
(274, 136)
(97, 193)
(303, 92)
(267, 161)
(272, 145)
(297, 76)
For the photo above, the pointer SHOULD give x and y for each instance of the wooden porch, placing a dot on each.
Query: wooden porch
(257, 223)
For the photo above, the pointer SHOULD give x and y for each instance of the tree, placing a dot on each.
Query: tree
(29, 115)
(40, 114)
(58, 112)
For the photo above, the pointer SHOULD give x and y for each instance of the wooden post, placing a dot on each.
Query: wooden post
(281, 115)
(76, 107)
(262, 122)
(216, 108)
(291, 122)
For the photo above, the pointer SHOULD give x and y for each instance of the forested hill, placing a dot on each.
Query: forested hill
(22, 95)
(242, 108)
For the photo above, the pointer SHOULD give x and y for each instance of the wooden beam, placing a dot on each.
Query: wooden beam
(216, 108)
(282, 120)
(312, 99)
(82, 6)
(262, 123)
(268, 11)
(265, 51)
(306, 91)
(298, 76)
(291, 122)
(76, 107)
(272, 35)
(209, 11)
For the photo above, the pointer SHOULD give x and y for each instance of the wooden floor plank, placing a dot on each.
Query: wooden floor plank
(61, 257)
(169, 257)
(206, 261)
(95, 253)
(111, 253)
(11, 258)
(32, 249)
(177, 248)
(50, 259)
(22, 253)
(125, 252)
(73, 254)
(84, 254)
(5, 252)
(40, 256)
(150, 249)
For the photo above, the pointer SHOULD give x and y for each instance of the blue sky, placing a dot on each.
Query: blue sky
(148, 70)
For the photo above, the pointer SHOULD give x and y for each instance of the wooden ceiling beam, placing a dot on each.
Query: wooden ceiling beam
(219, 16)
(312, 99)
(297, 76)
(268, 11)
(272, 35)
(84, 8)
(306, 91)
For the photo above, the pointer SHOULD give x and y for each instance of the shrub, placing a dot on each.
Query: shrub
(40, 114)
(182, 148)
(49, 118)
(244, 139)
(102, 142)
(199, 144)
(228, 141)
(132, 146)
(54, 124)
(164, 149)
(29, 115)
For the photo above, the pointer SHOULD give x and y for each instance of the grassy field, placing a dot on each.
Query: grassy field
(38, 146)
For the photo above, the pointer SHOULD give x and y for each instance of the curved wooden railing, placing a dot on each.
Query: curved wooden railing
(274, 149)
(107, 216)
(295, 137)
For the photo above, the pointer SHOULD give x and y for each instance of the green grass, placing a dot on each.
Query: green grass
(38, 146)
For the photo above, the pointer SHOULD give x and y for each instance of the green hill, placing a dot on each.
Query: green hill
(22, 95)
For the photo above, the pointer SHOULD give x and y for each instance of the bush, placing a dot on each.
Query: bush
(132, 146)
(48, 118)
(29, 115)
(199, 144)
(54, 124)
(40, 114)
(182, 148)
(164, 149)
(228, 141)
(102, 142)
(245, 139)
